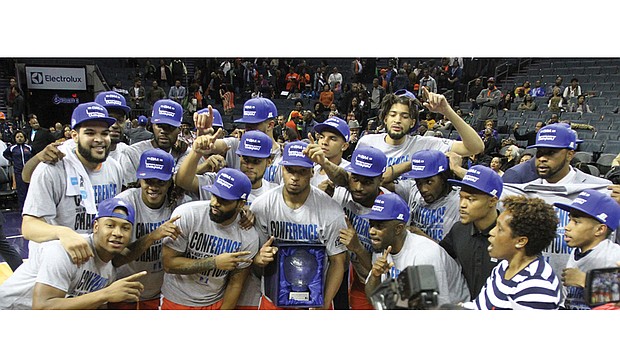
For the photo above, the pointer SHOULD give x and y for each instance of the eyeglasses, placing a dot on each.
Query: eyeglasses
(405, 93)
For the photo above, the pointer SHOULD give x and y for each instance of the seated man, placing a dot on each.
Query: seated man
(50, 280)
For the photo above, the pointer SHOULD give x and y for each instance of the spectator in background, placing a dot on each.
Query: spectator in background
(319, 80)
(530, 136)
(538, 90)
(228, 99)
(327, 96)
(506, 102)
(137, 95)
(496, 165)
(512, 156)
(118, 88)
(571, 92)
(292, 80)
(18, 154)
(524, 89)
(178, 93)
(527, 104)
(10, 97)
(581, 105)
(334, 77)
(38, 136)
(557, 84)
(555, 104)
(153, 95)
(178, 70)
(427, 81)
(376, 96)
(149, 71)
(401, 81)
(164, 74)
(19, 106)
(473, 93)
(489, 99)
(139, 133)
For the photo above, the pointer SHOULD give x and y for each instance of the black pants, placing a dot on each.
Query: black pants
(7, 250)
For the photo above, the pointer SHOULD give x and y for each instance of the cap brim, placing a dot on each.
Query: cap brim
(542, 145)
(373, 215)
(297, 163)
(125, 109)
(461, 184)
(241, 152)
(150, 174)
(322, 127)
(219, 193)
(362, 172)
(109, 120)
(167, 121)
(249, 120)
(570, 208)
(418, 174)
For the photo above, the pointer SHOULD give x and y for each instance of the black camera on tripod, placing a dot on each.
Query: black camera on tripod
(414, 288)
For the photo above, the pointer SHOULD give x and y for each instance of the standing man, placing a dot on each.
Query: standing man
(396, 248)
(431, 199)
(334, 77)
(399, 113)
(283, 212)
(153, 95)
(177, 93)
(38, 137)
(557, 181)
(376, 97)
(166, 121)
(488, 100)
(467, 240)
(137, 93)
(208, 263)
(427, 82)
(139, 133)
(50, 280)
(62, 198)
(593, 217)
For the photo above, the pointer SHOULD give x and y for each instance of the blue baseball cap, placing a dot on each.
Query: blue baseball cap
(143, 121)
(367, 161)
(557, 135)
(90, 111)
(293, 155)
(230, 184)
(168, 112)
(389, 207)
(217, 117)
(597, 205)
(427, 163)
(155, 163)
(257, 110)
(112, 99)
(483, 179)
(255, 144)
(405, 93)
(334, 124)
(107, 206)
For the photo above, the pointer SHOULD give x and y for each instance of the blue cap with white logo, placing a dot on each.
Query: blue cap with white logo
(230, 184)
(389, 207)
(90, 111)
(106, 209)
(483, 179)
(112, 99)
(293, 155)
(597, 205)
(427, 163)
(255, 144)
(217, 117)
(155, 163)
(557, 135)
(334, 124)
(257, 110)
(143, 121)
(367, 161)
(168, 112)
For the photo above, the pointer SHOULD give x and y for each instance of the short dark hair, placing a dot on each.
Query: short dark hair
(574, 80)
(533, 218)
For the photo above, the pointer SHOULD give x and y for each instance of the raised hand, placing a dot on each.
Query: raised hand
(126, 290)
(266, 254)
(381, 265)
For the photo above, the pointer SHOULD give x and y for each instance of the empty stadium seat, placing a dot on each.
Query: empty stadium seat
(603, 162)
(612, 146)
(590, 145)
(606, 134)
(583, 156)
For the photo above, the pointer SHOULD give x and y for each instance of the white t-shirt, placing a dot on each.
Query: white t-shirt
(317, 178)
(402, 153)
(51, 265)
(47, 197)
(355, 212)
(434, 219)
(146, 221)
(419, 250)
(202, 238)
(604, 255)
(116, 154)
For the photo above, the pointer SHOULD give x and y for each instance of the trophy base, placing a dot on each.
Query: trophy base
(299, 296)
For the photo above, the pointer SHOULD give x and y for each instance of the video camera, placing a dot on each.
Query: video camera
(602, 286)
(414, 288)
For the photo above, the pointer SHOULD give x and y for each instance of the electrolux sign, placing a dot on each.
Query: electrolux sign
(56, 78)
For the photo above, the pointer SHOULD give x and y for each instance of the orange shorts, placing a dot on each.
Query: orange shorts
(357, 294)
(169, 305)
(246, 307)
(151, 304)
